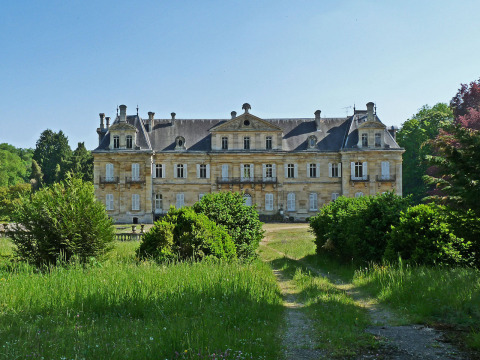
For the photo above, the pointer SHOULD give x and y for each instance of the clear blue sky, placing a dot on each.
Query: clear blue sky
(63, 62)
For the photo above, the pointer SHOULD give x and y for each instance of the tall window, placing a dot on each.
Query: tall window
(180, 200)
(291, 201)
(135, 171)
(335, 196)
(116, 142)
(129, 140)
(135, 202)
(224, 143)
(202, 171)
(334, 167)
(200, 196)
(180, 171)
(268, 171)
(290, 171)
(364, 140)
(268, 202)
(246, 143)
(109, 201)
(159, 171)
(312, 170)
(247, 171)
(247, 198)
(225, 171)
(358, 194)
(109, 172)
(358, 170)
(313, 201)
(158, 203)
(378, 140)
(268, 143)
(385, 170)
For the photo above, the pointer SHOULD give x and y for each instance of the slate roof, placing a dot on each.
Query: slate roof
(334, 134)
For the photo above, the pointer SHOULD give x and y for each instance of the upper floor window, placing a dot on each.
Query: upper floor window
(290, 173)
(247, 171)
(385, 170)
(180, 200)
(129, 140)
(224, 143)
(312, 170)
(246, 142)
(364, 140)
(268, 171)
(378, 140)
(116, 141)
(268, 143)
(159, 171)
(312, 142)
(109, 172)
(135, 171)
(313, 201)
(358, 170)
(180, 170)
(203, 171)
(180, 142)
(334, 169)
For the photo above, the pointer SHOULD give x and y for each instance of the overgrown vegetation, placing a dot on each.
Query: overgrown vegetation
(60, 222)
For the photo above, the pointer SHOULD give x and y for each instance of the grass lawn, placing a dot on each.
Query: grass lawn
(124, 309)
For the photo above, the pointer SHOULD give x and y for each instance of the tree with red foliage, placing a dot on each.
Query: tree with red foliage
(466, 105)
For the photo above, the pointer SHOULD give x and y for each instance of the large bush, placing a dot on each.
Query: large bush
(61, 221)
(241, 221)
(184, 234)
(355, 228)
(424, 235)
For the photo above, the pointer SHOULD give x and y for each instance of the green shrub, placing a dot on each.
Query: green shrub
(184, 234)
(61, 221)
(425, 236)
(355, 228)
(241, 221)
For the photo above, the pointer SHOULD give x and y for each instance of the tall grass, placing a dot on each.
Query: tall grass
(121, 309)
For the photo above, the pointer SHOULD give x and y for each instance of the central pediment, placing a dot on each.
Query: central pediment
(246, 122)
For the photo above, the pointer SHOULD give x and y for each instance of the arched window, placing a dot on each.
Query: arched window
(312, 142)
(180, 142)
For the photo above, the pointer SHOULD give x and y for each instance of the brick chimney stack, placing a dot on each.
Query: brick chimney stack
(108, 121)
(370, 116)
(123, 113)
(233, 114)
(102, 121)
(317, 119)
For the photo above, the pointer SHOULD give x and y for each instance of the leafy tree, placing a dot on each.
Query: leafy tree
(36, 177)
(10, 197)
(414, 136)
(52, 153)
(60, 222)
(241, 221)
(12, 169)
(467, 97)
(81, 162)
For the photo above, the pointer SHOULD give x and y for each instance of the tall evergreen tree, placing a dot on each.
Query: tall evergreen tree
(81, 163)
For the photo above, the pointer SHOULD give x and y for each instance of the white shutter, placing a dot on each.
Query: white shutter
(180, 200)
(242, 177)
(274, 172)
(175, 170)
(251, 171)
(154, 170)
(308, 170)
(352, 170)
(295, 171)
(339, 169)
(330, 172)
(135, 202)
(198, 171)
(385, 170)
(313, 201)
(291, 202)
(109, 171)
(364, 170)
(208, 171)
(164, 171)
(109, 202)
(135, 171)
(286, 170)
(185, 171)
(225, 171)
(268, 201)
(317, 165)
(335, 196)
(264, 171)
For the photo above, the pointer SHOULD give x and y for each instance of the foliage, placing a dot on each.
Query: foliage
(10, 197)
(457, 159)
(425, 236)
(413, 136)
(15, 164)
(52, 153)
(187, 235)
(467, 97)
(354, 228)
(61, 221)
(81, 163)
(36, 177)
(241, 221)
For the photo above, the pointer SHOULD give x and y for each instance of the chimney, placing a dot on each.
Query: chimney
(173, 117)
(108, 121)
(151, 115)
(149, 123)
(393, 131)
(102, 119)
(234, 114)
(317, 118)
(370, 116)
(123, 113)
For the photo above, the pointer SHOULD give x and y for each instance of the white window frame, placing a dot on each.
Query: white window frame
(364, 140)
(224, 171)
(109, 202)
(180, 200)
(224, 142)
(246, 172)
(129, 142)
(200, 196)
(203, 171)
(359, 170)
(159, 171)
(385, 170)
(291, 169)
(335, 169)
(335, 196)
(358, 194)
(313, 170)
(378, 136)
(247, 198)
(180, 171)
(136, 171)
(158, 203)
(268, 142)
(269, 171)
(313, 201)
(109, 172)
(135, 202)
(291, 202)
(268, 202)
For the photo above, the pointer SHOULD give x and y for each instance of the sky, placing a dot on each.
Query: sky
(64, 62)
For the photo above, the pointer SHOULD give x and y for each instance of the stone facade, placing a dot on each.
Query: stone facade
(290, 167)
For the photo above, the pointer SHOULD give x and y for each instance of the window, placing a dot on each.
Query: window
(246, 143)
(180, 170)
(364, 140)
(224, 143)
(116, 142)
(200, 196)
(247, 198)
(180, 142)
(135, 171)
(291, 171)
(312, 170)
(385, 170)
(378, 140)
(109, 172)
(180, 201)
(334, 169)
(269, 202)
(358, 194)
(135, 202)
(159, 171)
(313, 201)
(291, 202)
(268, 173)
(225, 171)
(312, 142)
(129, 141)
(359, 170)
(268, 143)
(203, 171)
(246, 171)
(109, 201)
(158, 203)
(335, 196)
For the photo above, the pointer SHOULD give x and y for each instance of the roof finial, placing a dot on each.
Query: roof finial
(117, 110)
(246, 107)
(137, 109)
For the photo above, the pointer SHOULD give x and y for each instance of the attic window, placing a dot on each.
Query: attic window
(180, 142)
(246, 122)
(312, 142)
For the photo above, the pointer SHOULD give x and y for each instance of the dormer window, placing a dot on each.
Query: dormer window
(378, 140)
(364, 140)
(129, 140)
(246, 142)
(116, 142)
(224, 143)
(268, 143)
(312, 142)
(180, 142)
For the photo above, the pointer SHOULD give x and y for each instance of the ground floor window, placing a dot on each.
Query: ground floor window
(313, 201)
(180, 201)
(109, 202)
(269, 202)
(158, 202)
(291, 202)
(248, 199)
(135, 202)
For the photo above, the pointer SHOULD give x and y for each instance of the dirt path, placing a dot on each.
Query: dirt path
(407, 342)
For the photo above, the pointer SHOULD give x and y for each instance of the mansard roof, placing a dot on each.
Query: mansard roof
(359, 121)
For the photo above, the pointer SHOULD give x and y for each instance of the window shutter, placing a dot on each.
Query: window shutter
(308, 170)
(330, 173)
(208, 171)
(352, 170)
(154, 170)
(295, 171)
(164, 171)
(251, 171)
(274, 172)
(185, 171)
(242, 177)
(364, 170)
(198, 171)
(175, 170)
(339, 169)
(109, 171)
(225, 171)
(318, 169)
(286, 170)
(385, 170)
(264, 171)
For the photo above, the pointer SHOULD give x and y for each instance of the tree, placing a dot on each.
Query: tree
(52, 153)
(10, 197)
(60, 222)
(81, 163)
(467, 97)
(12, 169)
(413, 136)
(36, 176)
